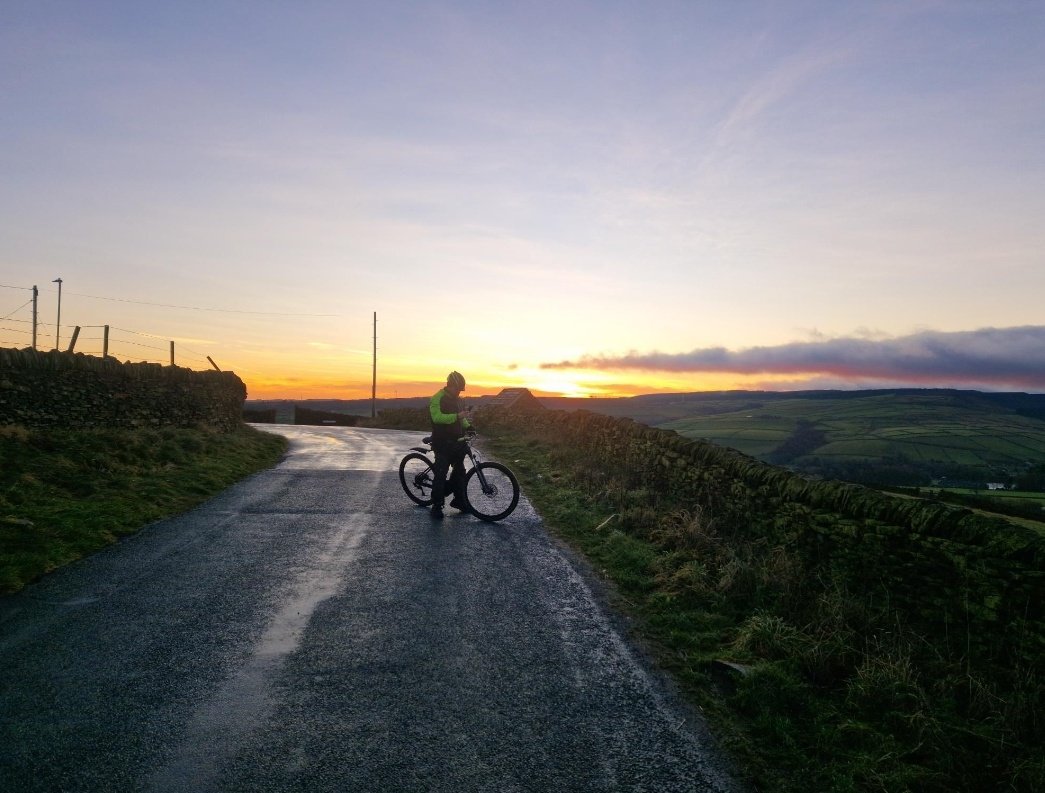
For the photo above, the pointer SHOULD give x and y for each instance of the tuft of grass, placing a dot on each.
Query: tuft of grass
(67, 493)
(768, 636)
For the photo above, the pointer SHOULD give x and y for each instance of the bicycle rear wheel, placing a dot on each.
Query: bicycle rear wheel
(492, 490)
(416, 476)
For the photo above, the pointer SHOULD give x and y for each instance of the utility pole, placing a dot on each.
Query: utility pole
(58, 324)
(373, 382)
(36, 297)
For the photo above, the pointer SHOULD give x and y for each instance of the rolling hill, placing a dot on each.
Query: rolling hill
(903, 436)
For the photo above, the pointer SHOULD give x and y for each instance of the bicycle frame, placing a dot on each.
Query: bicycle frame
(473, 454)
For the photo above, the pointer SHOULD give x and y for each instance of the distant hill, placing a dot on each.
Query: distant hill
(898, 436)
(658, 408)
(886, 436)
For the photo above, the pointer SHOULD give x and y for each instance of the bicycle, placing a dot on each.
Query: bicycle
(491, 489)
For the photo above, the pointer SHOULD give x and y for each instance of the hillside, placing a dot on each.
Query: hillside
(902, 436)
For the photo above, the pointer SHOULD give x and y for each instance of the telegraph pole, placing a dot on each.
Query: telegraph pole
(373, 382)
(36, 296)
(58, 324)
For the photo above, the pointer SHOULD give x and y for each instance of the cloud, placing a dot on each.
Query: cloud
(989, 357)
(771, 89)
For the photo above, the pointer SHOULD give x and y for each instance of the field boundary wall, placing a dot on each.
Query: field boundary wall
(73, 391)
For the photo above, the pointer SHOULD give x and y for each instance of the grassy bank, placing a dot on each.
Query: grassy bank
(833, 693)
(65, 494)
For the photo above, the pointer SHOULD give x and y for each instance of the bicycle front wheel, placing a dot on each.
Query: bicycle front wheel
(416, 476)
(492, 490)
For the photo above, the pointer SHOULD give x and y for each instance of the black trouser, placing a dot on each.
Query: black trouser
(449, 454)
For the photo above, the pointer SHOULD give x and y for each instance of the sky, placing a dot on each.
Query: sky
(582, 198)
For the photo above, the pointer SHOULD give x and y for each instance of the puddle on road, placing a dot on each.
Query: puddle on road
(218, 727)
(343, 448)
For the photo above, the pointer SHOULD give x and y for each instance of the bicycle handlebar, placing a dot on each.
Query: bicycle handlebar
(469, 435)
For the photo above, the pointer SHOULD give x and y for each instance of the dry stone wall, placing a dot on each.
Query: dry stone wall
(67, 390)
(975, 584)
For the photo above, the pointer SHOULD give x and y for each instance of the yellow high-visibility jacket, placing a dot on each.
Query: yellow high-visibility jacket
(447, 423)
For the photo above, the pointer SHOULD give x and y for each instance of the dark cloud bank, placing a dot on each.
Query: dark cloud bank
(990, 358)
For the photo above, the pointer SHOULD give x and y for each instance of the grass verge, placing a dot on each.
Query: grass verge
(831, 695)
(67, 493)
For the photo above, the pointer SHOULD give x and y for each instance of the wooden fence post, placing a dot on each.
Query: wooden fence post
(72, 341)
(172, 353)
(105, 341)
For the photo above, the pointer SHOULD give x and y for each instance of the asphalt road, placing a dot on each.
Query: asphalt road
(311, 630)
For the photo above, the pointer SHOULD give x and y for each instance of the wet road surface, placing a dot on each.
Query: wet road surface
(310, 629)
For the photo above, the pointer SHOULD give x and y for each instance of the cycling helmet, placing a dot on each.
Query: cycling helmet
(455, 380)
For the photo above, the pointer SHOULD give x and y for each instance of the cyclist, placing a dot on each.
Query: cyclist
(449, 423)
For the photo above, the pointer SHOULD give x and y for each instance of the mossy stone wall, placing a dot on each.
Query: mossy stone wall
(974, 585)
(72, 390)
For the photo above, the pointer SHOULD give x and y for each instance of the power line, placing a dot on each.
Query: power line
(138, 332)
(26, 303)
(187, 308)
(189, 349)
(199, 356)
(138, 344)
(202, 308)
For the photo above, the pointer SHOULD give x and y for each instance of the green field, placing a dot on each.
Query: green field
(1024, 507)
(938, 432)
(756, 434)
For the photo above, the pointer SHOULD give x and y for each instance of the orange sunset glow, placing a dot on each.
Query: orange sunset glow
(593, 201)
